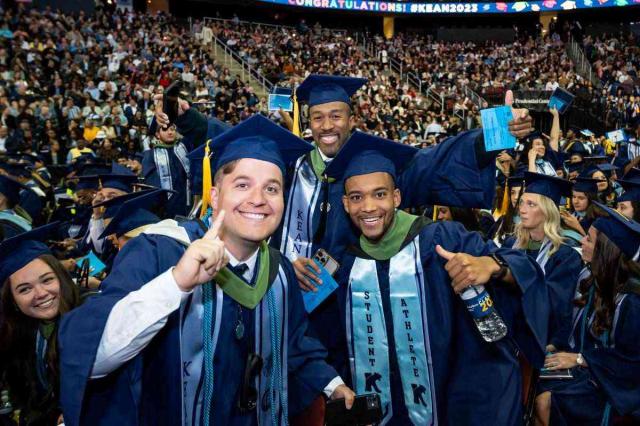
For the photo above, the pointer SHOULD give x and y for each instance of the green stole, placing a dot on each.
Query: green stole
(243, 293)
(391, 242)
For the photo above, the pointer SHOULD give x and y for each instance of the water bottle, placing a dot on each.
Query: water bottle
(480, 306)
(5, 404)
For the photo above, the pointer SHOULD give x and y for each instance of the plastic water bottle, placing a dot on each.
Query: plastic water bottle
(480, 306)
(5, 404)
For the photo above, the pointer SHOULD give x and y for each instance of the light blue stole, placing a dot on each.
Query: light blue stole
(297, 229)
(367, 334)
(10, 216)
(163, 165)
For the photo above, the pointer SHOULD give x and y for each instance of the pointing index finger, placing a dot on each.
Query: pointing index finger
(213, 232)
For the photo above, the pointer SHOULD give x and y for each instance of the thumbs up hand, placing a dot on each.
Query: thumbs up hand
(522, 124)
(466, 270)
(203, 259)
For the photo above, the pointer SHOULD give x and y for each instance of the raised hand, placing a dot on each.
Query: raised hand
(522, 124)
(203, 259)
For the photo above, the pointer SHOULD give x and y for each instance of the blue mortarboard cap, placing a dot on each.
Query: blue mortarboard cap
(111, 206)
(607, 168)
(364, 153)
(320, 89)
(633, 175)
(574, 167)
(87, 182)
(551, 187)
(623, 232)
(17, 169)
(516, 180)
(586, 185)
(93, 168)
(577, 148)
(215, 128)
(136, 212)
(631, 190)
(588, 171)
(121, 182)
(10, 188)
(258, 138)
(18, 251)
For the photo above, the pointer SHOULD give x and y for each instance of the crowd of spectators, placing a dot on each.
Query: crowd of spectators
(616, 61)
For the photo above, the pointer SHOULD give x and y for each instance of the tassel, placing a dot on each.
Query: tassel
(296, 116)
(435, 213)
(504, 205)
(206, 180)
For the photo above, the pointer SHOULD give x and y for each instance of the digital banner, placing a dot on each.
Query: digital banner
(454, 8)
(533, 100)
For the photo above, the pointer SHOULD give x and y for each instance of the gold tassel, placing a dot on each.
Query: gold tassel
(504, 205)
(296, 115)
(206, 179)
(435, 213)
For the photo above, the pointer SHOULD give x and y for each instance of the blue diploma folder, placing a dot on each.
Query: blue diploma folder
(95, 265)
(561, 100)
(313, 299)
(280, 101)
(495, 128)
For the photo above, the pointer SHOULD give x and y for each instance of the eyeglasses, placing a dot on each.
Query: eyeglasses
(249, 394)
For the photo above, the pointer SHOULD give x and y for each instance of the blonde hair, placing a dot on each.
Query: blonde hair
(552, 228)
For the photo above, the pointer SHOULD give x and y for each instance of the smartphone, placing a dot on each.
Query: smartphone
(170, 101)
(328, 262)
(366, 410)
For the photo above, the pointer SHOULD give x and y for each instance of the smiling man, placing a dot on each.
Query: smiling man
(202, 326)
(406, 334)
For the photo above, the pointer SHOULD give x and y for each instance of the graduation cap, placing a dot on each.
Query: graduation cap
(17, 169)
(257, 137)
(10, 188)
(596, 159)
(318, 89)
(136, 212)
(586, 185)
(633, 175)
(111, 206)
(365, 153)
(623, 232)
(533, 136)
(215, 129)
(551, 187)
(588, 171)
(92, 169)
(515, 181)
(574, 167)
(577, 148)
(120, 178)
(631, 190)
(607, 168)
(16, 252)
(87, 182)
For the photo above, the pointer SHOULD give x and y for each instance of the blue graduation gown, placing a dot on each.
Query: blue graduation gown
(177, 203)
(475, 382)
(32, 203)
(147, 389)
(561, 276)
(612, 376)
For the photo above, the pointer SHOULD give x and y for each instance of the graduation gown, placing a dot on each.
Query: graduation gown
(147, 389)
(612, 376)
(561, 276)
(177, 203)
(474, 382)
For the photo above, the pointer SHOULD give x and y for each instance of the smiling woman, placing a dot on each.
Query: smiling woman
(35, 292)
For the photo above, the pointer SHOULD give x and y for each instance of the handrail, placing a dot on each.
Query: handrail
(583, 66)
(264, 24)
(230, 55)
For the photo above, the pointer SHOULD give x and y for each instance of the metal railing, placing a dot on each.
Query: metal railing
(230, 56)
(583, 66)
